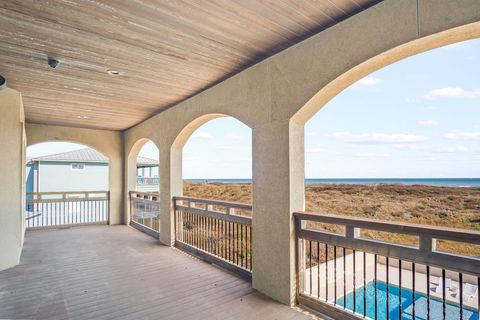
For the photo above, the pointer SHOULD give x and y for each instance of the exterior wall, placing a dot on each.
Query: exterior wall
(12, 177)
(277, 96)
(59, 177)
(30, 178)
(109, 143)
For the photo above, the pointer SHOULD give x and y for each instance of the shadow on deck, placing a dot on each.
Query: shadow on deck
(116, 272)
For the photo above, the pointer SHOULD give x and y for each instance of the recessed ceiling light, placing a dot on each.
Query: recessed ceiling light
(82, 117)
(113, 72)
(53, 63)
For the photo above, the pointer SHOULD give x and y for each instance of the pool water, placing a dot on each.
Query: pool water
(436, 311)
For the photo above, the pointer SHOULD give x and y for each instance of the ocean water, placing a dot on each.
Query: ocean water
(452, 311)
(444, 182)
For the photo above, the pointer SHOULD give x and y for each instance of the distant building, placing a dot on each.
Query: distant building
(147, 175)
(82, 170)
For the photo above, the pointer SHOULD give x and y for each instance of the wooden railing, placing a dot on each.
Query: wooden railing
(216, 231)
(54, 209)
(148, 181)
(349, 275)
(145, 212)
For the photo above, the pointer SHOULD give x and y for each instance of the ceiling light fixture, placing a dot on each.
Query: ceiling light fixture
(82, 117)
(53, 63)
(113, 72)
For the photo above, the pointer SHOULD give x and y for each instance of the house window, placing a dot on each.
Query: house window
(78, 166)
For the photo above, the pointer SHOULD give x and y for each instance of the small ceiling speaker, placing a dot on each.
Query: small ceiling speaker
(53, 63)
(3, 82)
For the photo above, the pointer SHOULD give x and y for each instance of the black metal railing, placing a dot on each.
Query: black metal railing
(53, 209)
(347, 275)
(217, 231)
(145, 212)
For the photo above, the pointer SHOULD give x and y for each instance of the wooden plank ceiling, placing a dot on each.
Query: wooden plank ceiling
(165, 51)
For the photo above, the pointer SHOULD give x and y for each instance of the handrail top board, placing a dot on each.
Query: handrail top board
(66, 192)
(58, 200)
(150, 194)
(216, 215)
(228, 204)
(393, 226)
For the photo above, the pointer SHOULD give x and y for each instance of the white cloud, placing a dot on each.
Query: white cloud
(451, 92)
(460, 135)
(404, 146)
(372, 155)
(316, 150)
(202, 135)
(454, 149)
(381, 138)
(234, 136)
(367, 81)
(429, 108)
(428, 123)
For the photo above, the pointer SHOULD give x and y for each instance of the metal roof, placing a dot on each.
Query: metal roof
(87, 155)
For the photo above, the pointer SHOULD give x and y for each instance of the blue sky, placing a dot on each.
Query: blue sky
(419, 117)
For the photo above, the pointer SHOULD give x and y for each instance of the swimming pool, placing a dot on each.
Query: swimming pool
(436, 312)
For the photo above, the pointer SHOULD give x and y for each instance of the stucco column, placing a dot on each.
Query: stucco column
(278, 191)
(12, 177)
(170, 172)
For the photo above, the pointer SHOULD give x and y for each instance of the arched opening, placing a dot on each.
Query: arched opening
(217, 161)
(214, 214)
(143, 180)
(66, 184)
(148, 176)
(396, 146)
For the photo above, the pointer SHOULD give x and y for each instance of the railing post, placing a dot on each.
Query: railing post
(178, 222)
(299, 255)
(132, 213)
(352, 232)
(427, 243)
(108, 207)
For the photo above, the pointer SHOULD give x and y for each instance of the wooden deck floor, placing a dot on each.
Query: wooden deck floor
(116, 272)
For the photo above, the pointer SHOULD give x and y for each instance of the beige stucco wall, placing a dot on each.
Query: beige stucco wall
(12, 177)
(277, 96)
(109, 143)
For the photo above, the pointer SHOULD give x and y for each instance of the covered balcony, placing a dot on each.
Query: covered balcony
(113, 76)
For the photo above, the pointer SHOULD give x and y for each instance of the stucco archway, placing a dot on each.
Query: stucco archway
(131, 173)
(171, 180)
(278, 95)
(409, 49)
(352, 75)
(109, 143)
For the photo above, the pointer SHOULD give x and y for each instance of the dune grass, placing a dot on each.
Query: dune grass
(439, 206)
